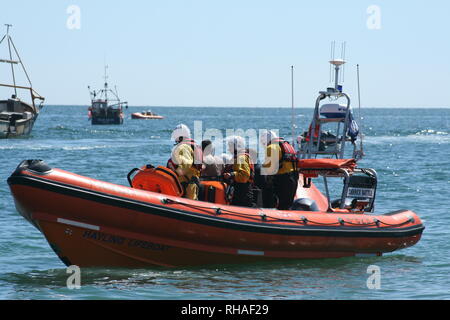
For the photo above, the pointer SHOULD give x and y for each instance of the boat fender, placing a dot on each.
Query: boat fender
(305, 204)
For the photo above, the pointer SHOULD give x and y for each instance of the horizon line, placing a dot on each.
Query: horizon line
(255, 107)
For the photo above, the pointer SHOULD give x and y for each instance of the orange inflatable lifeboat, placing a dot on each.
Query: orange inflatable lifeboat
(88, 222)
(145, 115)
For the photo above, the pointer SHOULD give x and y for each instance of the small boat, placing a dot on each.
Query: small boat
(145, 115)
(17, 117)
(104, 110)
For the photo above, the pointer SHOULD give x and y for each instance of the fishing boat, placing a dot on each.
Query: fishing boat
(17, 117)
(104, 109)
(146, 115)
(90, 223)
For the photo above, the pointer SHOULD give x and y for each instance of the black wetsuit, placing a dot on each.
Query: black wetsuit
(280, 191)
(243, 195)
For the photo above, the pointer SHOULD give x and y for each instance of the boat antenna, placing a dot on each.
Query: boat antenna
(292, 105)
(8, 38)
(359, 111)
(337, 63)
(106, 84)
(344, 44)
(333, 45)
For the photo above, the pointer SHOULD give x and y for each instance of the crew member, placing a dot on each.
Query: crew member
(212, 165)
(240, 173)
(187, 161)
(280, 166)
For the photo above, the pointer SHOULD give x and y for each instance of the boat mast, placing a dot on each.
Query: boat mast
(359, 111)
(11, 48)
(106, 85)
(337, 63)
(10, 56)
(292, 101)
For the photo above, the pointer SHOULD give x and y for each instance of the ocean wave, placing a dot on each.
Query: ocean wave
(51, 147)
(75, 148)
(413, 138)
(95, 131)
(75, 145)
(429, 132)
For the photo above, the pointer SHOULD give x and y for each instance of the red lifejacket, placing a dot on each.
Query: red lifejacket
(198, 153)
(315, 133)
(171, 165)
(288, 152)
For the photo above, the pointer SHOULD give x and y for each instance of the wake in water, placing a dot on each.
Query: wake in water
(427, 137)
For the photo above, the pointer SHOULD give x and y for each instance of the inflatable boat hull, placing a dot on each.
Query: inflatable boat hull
(93, 223)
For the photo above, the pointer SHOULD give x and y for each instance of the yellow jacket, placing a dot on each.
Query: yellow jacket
(242, 169)
(183, 157)
(272, 151)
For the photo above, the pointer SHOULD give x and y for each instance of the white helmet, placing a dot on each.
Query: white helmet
(181, 131)
(235, 144)
(267, 136)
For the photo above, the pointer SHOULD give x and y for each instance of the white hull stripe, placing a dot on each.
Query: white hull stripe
(78, 224)
(251, 252)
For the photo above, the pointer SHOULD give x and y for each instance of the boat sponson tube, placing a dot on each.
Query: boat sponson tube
(201, 231)
(64, 183)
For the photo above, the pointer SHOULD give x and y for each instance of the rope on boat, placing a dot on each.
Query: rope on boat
(303, 220)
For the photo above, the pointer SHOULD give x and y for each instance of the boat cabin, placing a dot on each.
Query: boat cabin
(99, 104)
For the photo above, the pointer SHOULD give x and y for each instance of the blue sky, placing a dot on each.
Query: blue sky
(233, 53)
